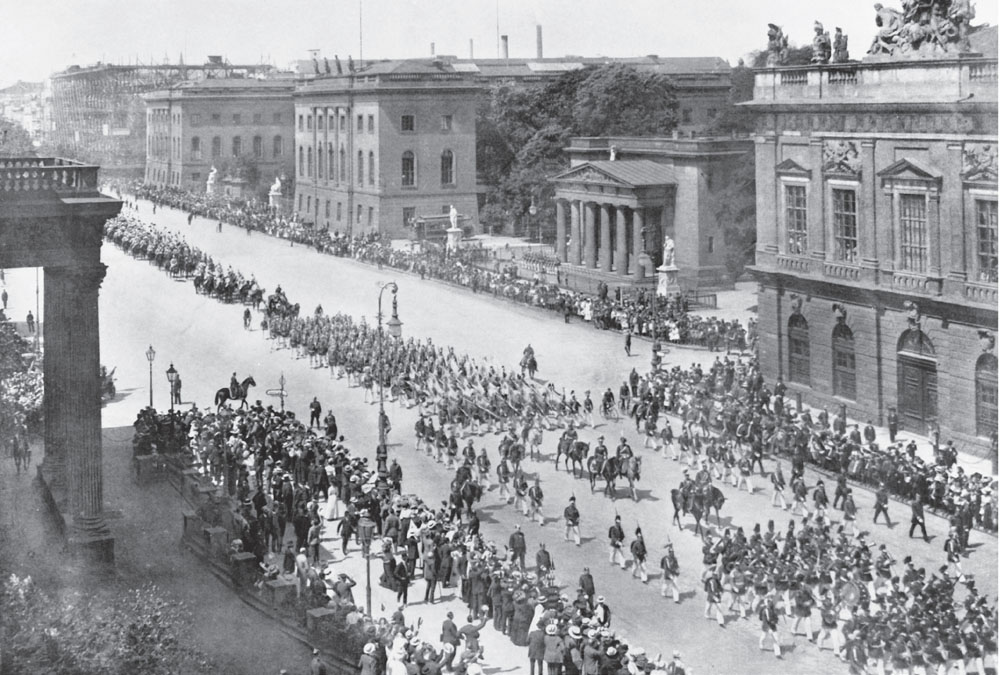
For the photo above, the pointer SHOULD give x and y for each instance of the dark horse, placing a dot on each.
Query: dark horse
(608, 470)
(224, 394)
(699, 502)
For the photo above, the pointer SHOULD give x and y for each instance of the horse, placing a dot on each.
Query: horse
(608, 470)
(224, 394)
(577, 455)
(529, 364)
(630, 470)
(712, 498)
(685, 502)
(563, 448)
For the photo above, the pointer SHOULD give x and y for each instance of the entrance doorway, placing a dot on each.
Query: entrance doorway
(917, 394)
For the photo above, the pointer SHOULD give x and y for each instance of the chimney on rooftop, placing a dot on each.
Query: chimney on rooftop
(504, 46)
(432, 49)
(538, 40)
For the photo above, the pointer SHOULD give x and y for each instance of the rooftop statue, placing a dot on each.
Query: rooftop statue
(821, 45)
(923, 28)
(840, 54)
(777, 46)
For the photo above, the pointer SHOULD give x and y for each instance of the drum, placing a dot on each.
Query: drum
(849, 594)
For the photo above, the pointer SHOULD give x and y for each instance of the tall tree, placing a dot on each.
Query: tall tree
(14, 139)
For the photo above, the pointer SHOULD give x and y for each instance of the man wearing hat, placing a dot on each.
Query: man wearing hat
(616, 539)
(572, 516)
(676, 666)
(917, 516)
(535, 497)
(518, 547)
(587, 586)
(882, 503)
(602, 613)
(671, 568)
(638, 550)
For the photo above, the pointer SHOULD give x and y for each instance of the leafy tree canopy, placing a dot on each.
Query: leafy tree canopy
(14, 139)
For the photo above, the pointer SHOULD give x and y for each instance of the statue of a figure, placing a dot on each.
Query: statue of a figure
(276, 187)
(821, 45)
(840, 54)
(777, 45)
(890, 24)
(668, 251)
(212, 174)
(614, 153)
(453, 216)
(960, 13)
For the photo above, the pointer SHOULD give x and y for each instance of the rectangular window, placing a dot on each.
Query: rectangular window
(258, 147)
(195, 148)
(446, 122)
(237, 146)
(319, 123)
(343, 123)
(407, 123)
(361, 211)
(686, 116)
(339, 204)
(361, 123)
(278, 148)
(845, 225)
(371, 215)
(986, 240)
(216, 118)
(237, 119)
(196, 119)
(276, 119)
(196, 176)
(409, 213)
(371, 124)
(300, 202)
(257, 117)
(796, 219)
(844, 374)
(216, 147)
(327, 208)
(913, 232)
(309, 122)
(711, 244)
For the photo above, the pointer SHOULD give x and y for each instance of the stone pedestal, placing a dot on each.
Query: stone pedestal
(317, 619)
(193, 525)
(280, 592)
(454, 238)
(244, 569)
(217, 542)
(667, 280)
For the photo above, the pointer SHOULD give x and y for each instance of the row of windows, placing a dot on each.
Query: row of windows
(196, 118)
(912, 218)
(310, 164)
(912, 341)
(409, 212)
(407, 123)
(257, 147)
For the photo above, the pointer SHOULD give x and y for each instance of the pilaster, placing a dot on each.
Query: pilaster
(561, 230)
(621, 239)
(589, 254)
(638, 219)
(605, 257)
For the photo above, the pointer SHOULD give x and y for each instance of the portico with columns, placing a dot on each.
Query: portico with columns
(611, 219)
(52, 216)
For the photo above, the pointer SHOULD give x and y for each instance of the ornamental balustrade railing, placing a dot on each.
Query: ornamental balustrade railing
(45, 174)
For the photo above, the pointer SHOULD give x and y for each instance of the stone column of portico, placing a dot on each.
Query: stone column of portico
(575, 232)
(621, 239)
(589, 254)
(637, 225)
(76, 298)
(605, 258)
(560, 230)
(56, 365)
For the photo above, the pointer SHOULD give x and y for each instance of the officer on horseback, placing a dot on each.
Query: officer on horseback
(623, 452)
(234, 387)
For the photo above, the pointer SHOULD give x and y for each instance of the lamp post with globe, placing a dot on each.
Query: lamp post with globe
(150, 356)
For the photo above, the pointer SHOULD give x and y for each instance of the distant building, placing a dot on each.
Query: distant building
(378, 148)
(238, 126)
(621, 197)
(97, 112)
(877, 239)
(22, 103)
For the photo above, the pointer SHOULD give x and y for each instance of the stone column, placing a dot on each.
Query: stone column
(589, 254)
(934, 234)
(56, 362)
(75, 294)
(605, 257)
(575, 234)
(621, 239)
(637, 224)
(561, 230)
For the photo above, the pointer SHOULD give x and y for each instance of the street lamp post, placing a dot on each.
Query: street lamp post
(281, 383)
(395, 330)
(172, 375)
(533, 210)
(150, 356)
(366, 532)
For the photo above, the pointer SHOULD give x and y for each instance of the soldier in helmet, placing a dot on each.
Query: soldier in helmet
(572, 516)
(616, 539)
(638, 550)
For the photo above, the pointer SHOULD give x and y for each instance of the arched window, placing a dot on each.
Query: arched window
(330, 171)
(361, 167)
(258, 147)
(216, 146)
(343, 165)
(302, 161)
(844, 374)
(195, 148)
(409, 170)
(986, 395)
(371, 168)
(309, 162)
(319, 162)
(447, 168)
(798, 349)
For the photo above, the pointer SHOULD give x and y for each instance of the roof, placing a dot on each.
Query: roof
(631, 172)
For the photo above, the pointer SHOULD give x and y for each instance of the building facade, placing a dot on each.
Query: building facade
(877, 239)
(234, 125)
(378, 148)
(614, 215)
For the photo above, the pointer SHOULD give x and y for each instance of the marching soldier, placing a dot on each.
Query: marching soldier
(535, 497)
(670, 568)
(638, 550)
(572, 516)
(483, 467)
(616, 539)
(521, 493)
(503, 477)
(769, 624)
(713, 596)
(917, 516)
(882, 503)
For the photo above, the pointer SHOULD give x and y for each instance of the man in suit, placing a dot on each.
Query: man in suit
(917, 517)
(449, 636)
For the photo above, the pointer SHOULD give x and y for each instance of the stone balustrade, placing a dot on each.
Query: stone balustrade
(842, 271)
(793, 264)
(37, 174)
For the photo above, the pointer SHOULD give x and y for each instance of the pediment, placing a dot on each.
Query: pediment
(790, 167)
(588, 173)
(908, 170)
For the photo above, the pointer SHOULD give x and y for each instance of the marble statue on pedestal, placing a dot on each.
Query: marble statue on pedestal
(777, 46)
(668, 251)
(210, 183)
(821, 45)
(840, 54)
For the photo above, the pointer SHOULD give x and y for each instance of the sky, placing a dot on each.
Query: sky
(39, 37)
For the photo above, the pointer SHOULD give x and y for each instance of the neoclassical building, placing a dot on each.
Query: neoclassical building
(379, 148)
(877, 238)
(622, 196)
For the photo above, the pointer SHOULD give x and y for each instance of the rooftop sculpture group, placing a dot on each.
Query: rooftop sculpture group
(923, 28)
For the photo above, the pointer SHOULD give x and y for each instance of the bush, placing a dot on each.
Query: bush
(134, 631)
